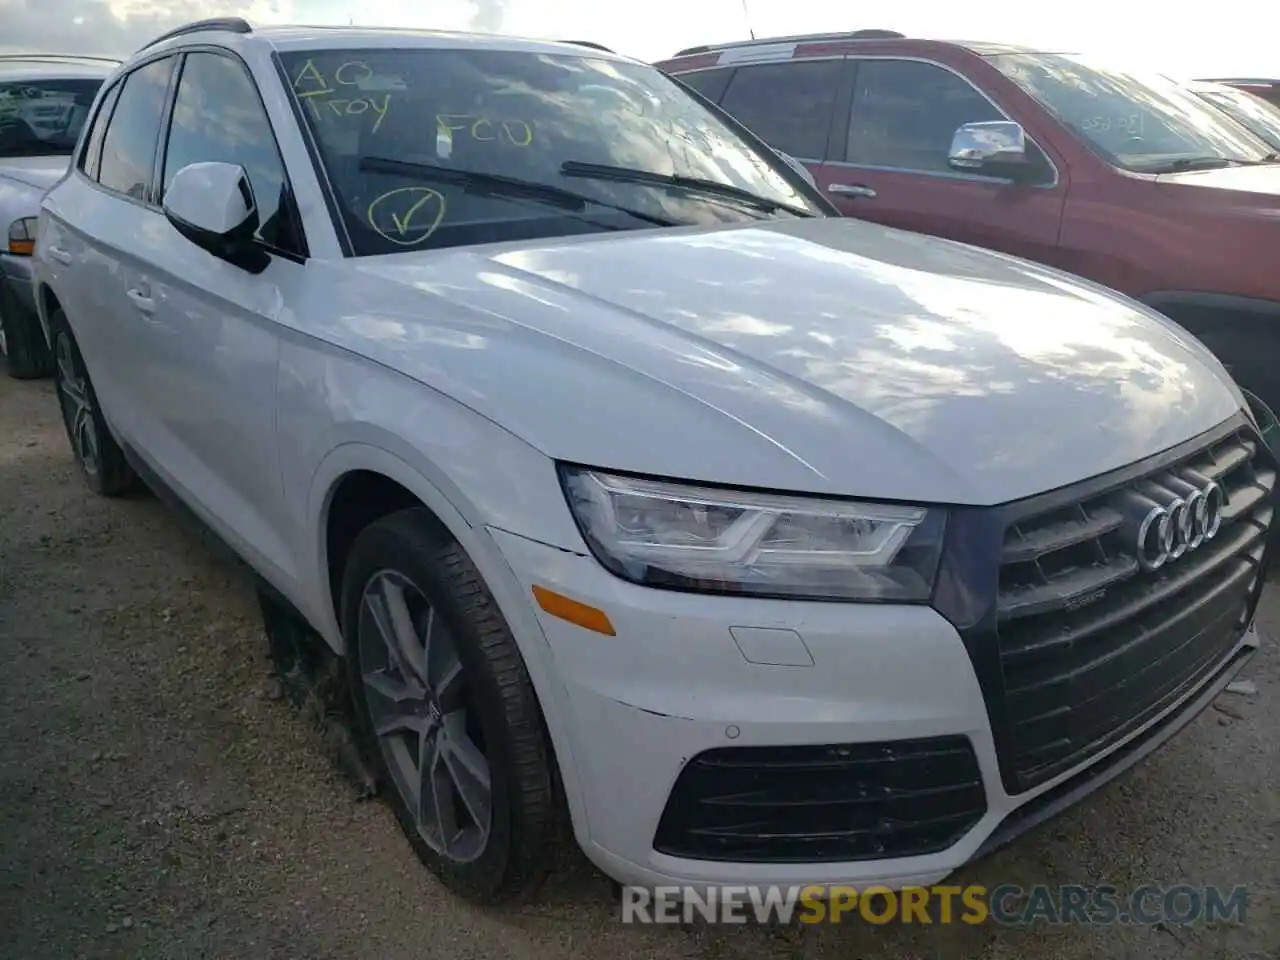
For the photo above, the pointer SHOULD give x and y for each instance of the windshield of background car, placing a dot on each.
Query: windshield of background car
(42, 118)
(1136, 122)
(517, 116)
(1253, 112)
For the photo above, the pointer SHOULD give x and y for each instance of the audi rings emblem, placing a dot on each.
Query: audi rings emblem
(1171, 515)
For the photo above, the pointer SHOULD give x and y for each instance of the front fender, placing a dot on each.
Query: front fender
(1243, 333)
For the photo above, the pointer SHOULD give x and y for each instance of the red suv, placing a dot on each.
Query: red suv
(1132, 181)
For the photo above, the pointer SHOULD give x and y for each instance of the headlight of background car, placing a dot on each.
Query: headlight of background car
(22, 236)
(727, 541)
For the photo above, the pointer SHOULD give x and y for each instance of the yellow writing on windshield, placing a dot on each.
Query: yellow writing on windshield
(406, 216)
(333, 96)
(517, 133)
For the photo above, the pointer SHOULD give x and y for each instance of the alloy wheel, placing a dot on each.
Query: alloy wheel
(428, 731)
(77, 406)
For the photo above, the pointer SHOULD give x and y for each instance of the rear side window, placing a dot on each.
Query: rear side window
(129, 147)
(906, 112)
(787, 105)
(93, 144)
(710, 83)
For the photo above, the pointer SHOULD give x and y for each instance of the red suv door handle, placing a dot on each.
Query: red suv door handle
(852, 190)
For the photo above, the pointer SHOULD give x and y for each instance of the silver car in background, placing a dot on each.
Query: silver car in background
(44, 99)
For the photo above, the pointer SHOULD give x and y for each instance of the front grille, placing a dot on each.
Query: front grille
(814, 804)
(1092, 643)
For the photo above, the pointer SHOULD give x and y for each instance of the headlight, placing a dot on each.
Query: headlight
(22, 236)
(728, 541)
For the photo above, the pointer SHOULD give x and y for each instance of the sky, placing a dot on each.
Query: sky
(1191, 40)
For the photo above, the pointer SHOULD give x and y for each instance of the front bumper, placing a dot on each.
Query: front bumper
(716, 739)
(674, 683)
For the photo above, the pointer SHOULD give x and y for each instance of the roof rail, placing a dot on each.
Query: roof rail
(56, 57)
(589, 43)
(868, 34)
(228, 24)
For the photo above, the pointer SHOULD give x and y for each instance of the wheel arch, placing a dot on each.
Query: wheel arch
(1199, 306)
(357, 469)
(352, 471)
(1241, 332)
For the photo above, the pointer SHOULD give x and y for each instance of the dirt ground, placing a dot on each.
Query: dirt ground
(158, 799)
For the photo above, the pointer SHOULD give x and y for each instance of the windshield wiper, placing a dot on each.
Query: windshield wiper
(473, 181)
(600, 171)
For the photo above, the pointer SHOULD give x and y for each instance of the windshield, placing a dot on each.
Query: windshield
(430, 148)
(1140, 123)
(42, 118)
(1253, 112)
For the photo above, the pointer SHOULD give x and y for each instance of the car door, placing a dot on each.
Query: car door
(93, 230)
(789, 104)
(213, 345)
(70, 271)
(888, 162)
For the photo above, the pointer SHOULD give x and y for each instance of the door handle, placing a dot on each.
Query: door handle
(62, 256)
(852, 190)
(141, 300)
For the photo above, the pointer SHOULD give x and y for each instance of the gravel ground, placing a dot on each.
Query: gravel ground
(159, 799)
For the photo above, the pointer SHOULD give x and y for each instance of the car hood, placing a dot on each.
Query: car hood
(819, 355)
(39, 172)
(1264, 179)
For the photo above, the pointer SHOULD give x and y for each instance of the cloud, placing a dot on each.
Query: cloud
(119, 27)
(115, 28)
(488, 16)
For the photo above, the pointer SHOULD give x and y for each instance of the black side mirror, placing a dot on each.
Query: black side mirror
(212, 205)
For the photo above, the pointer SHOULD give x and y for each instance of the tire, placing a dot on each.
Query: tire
(101, 461)
(403, 570)
(22, 343)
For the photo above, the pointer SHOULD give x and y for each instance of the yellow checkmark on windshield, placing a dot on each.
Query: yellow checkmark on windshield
(413, 213)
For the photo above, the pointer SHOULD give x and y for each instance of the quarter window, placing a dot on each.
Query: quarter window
(906, 112)
(129, 147)
(93, 143)
(710, 83)
(787, 105)
(218, 116)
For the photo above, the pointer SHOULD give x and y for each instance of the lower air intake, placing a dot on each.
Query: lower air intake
(815, 804)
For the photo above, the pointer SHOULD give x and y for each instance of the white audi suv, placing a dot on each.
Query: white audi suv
(638, 492)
